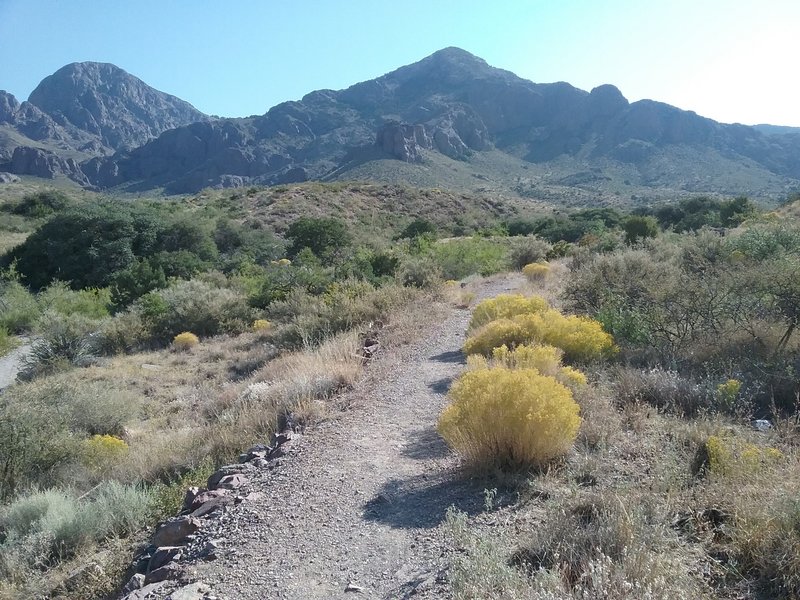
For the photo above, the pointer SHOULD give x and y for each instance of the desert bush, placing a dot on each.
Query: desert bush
(460, 258)
(731, 457)
(505, 417)
(101, 453)
(45, 528)
(418, 272)
(527, 250)
(505, 306)
(536, 272)
(185, 341)
(597, 548)
(663, 389)
(261, 325)
(64, 342)
(580, 338)
(7, 343)
(544, 359)
(91, 303)
(194, 306)
(40, 205)
(325, 237)
(18, 307)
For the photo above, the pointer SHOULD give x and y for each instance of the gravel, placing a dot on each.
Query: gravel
(355, 507)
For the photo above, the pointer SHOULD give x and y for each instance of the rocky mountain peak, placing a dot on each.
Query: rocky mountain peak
(106, 101)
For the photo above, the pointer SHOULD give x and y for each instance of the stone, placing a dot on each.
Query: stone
(164, 555)
(224, 471)
(212, 506)
(193, 591)
(232, 482)
(9, 178)
(168, 572)
(134, 583)
(352, 587)
(206, 496)
(189, 497)
(176, 532)
(260, 462)
(144, 593)
(762, 425)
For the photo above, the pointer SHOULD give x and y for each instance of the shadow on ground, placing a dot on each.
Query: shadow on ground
(424, 444)
(452, 356)
(441, 386)
(422, 501)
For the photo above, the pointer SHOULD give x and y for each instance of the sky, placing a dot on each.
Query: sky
(733, 61)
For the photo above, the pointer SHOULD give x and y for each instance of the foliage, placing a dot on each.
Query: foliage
(505, 306)
(19, 309)
(58, 297)
(101, 453)
(639, 227)
(185, 341)
(580, 338)
(38, 205)
(418, 228)
(63, 341)
(510, 417)
(527, 250)
(536, 271)
(324, 236)
(418, 272)
(135, 281)
(261, 325)
(727, 456)
(460, 258)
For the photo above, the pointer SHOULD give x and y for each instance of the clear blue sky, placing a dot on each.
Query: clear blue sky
(734, 61)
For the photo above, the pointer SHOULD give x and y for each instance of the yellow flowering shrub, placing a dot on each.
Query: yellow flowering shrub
(261, 325)
(572, 377)
(581, 338)
(509, 417)
(730, 457)
(505, 306)
(536, 271)
(545, 359)
(728, 391)
(185, 341)
(100, 453)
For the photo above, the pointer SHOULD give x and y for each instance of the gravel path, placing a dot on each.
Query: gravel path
(360, 501)
(10, 364)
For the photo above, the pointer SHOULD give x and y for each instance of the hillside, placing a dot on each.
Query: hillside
(448, 118)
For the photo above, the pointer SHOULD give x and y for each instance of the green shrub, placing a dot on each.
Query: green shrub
(638, 228)
(527, 250)
(18, 307)
(101, 453)
(63, 342)
(58, 297)
(505, 417)
(39, 205)
(325, 236)
(7, 343)
(193, 306)
(419, 272)
(460, 258)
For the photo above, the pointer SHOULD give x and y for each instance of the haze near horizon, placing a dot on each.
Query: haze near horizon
(727, 61)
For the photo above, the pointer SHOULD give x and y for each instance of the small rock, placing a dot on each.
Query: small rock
(189, 497)
(164, 555)
(134, 583)
(762, 425)
(232, 482)
(175, 532)
(224, 472)
(206, 496)
(170, 571)
(260, 462)
(149, 367)
(193, 591)
(145, 592)
(281, 438)
(352, 587)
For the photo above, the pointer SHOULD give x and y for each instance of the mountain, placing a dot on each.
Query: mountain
(83, 111)
(449, 118)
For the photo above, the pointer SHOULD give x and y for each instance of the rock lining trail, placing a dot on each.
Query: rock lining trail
(356, 508)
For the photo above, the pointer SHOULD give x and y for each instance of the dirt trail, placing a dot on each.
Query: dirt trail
(10, 364)
(361, 502)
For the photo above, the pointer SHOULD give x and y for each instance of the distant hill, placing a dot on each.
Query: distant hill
(449, 118)
(776, 129)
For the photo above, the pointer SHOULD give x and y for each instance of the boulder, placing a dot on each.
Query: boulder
(164, 555)
(176, 532)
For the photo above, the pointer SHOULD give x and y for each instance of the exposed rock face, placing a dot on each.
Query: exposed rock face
(45, 164)
(450, 102)
(118, 108)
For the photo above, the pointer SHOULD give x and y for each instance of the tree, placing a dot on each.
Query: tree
(323, 236)
(417, 228)
(637, 228)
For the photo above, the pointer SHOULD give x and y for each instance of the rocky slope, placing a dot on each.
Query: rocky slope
(451, 105)
(83, 111)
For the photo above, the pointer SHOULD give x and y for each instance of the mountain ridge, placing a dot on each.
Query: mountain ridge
(450, 103)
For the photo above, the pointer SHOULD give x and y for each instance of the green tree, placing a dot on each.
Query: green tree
(324, 236)
(637, 228)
